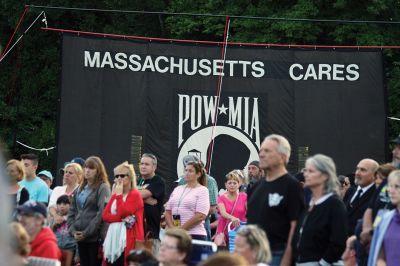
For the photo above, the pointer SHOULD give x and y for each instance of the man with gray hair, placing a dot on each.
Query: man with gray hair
(276, 201)
(32, 215)
(212, 190)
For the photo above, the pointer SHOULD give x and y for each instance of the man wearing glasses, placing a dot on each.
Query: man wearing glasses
(152, 188)
(32, 216)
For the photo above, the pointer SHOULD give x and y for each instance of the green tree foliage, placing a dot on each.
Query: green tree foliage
(30, 75)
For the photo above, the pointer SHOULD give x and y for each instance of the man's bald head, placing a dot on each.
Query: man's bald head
(365, 172)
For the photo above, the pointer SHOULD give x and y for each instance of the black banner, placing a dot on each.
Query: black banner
(329, 102)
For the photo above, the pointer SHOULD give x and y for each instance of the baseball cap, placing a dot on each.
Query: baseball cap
(31, 207)
(396, 140)
(190, 158)
(255, 163)
(47, 174)
(78, 160)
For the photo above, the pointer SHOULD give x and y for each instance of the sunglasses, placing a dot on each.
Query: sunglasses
(344, 183)
(121, 176)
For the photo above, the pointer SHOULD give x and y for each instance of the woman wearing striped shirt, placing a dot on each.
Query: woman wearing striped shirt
(189, 204)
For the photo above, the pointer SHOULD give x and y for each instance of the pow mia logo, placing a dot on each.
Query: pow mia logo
(236, 136)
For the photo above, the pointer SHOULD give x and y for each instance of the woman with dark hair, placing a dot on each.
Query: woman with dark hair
(382, 173)
(124, 213)
(344, 185)
(19, 194)
(189, 204)
(321, 232)
(85, 216)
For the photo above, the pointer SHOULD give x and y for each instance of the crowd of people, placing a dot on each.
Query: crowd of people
(264, 217)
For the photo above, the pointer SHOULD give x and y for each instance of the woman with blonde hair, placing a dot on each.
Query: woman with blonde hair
(231, 206)
(73, 174)
(16, 172)
(124, 213)
(85, 215)
(252, 243)
(19, 243)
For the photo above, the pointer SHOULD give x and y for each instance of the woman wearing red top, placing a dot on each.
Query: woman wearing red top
(124, 213)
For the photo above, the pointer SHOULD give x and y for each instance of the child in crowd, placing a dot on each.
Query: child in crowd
(60, 227)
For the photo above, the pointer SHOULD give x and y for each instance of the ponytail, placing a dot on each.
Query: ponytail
(198, 167)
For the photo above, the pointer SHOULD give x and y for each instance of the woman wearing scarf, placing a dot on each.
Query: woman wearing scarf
(124, 213)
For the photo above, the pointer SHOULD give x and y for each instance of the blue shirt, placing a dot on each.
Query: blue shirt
(83, 195)
(37, 188)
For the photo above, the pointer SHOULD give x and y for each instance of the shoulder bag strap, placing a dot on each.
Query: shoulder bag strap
(234, 205)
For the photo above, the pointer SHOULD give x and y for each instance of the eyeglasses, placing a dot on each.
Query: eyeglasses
(68, 172)
(167, 246)
(121, 175)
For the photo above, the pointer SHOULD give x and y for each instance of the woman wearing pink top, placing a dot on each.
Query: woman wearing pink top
(232, 204)
(189, 204)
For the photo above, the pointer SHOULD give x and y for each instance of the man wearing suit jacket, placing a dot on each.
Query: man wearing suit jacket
(357, 198)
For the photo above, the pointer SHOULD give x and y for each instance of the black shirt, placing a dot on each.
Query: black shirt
(324, 232)
(152, 214)
(273, 205)
(20, 197)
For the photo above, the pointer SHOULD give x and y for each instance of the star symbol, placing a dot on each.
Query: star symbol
(222, 109)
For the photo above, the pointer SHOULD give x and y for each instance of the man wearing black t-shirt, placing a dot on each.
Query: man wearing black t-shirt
(277, 201)
(152, 188)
